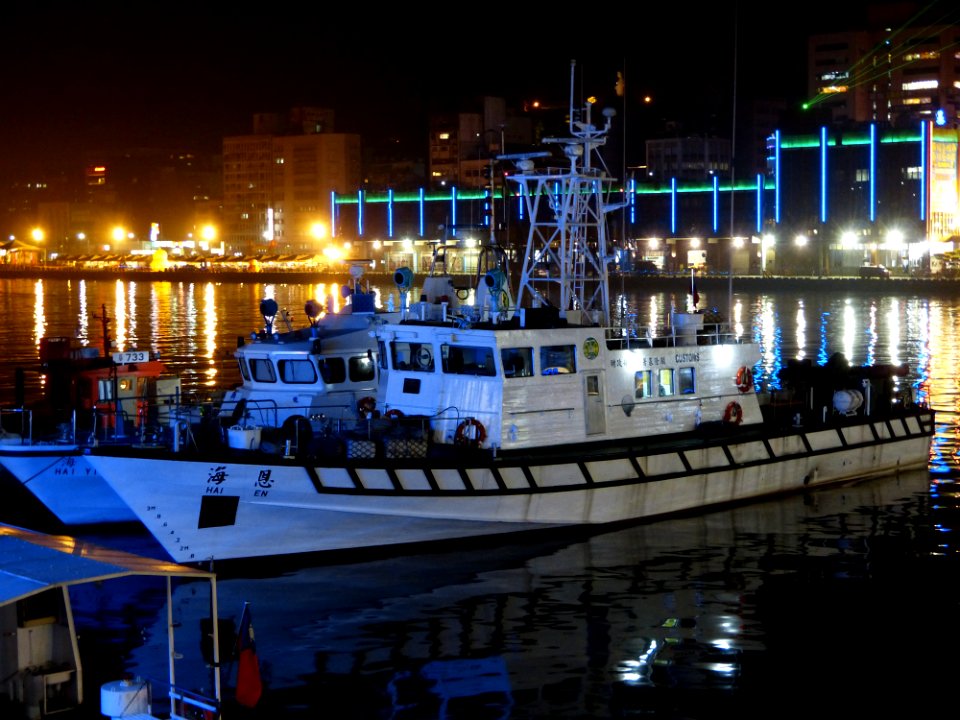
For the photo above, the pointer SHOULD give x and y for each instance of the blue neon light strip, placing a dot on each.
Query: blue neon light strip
(873, 173)
(716, 203)
(759, 203)
(390, 213)
(423, 212)
(823, 174)
(632, 199)
(360, 213)
(333, 213)
(453, 208)
(776, 177)
(924, 180)
(673, 206)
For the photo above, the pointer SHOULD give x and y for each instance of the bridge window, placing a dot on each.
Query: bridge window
(467, 360)
(333, 370)
(362, 368)
(517, 362)
(262, 370)
(297, 371)
(412, 356)
(558, 359)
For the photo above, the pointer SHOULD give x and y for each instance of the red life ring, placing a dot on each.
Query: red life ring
(744, 379)
(393, 413)
(366, 406)
(465, 437)
(733, 414)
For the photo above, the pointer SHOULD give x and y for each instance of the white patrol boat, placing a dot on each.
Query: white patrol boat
(503, 417)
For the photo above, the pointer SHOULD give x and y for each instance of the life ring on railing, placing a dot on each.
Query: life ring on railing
(744, 379)
(393, 413)
(733, 414)
(366, 406)
(470, 433)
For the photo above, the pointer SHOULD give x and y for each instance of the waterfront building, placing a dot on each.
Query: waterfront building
(280, 181)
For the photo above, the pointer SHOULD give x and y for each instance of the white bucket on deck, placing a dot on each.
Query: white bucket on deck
(124, 698)
(244, 438)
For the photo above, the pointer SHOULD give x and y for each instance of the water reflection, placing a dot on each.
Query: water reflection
(837, 602)
(692, 617)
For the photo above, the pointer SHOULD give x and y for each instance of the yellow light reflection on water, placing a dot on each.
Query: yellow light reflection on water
(655, 313)
(83, 315)
(768, 335)
(848, 330)
(210, 332)
(119, 317)
(801, 330)
(155, 301)
(870, 357)
(738, 318)
(39, 317)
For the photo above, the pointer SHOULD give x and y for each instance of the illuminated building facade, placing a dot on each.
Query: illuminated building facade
(278, 184)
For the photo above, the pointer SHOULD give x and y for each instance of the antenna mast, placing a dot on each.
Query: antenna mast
(565, 261)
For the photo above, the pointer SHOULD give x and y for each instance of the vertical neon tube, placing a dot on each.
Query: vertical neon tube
(453, 209)
(925, 140)
(333, 213)
(390, 213)
(673, 206)
(423, 212)
(360, 213)
(776, 177)
(632, 199)
(823, 174)
(759, 203)
(872, 214)
(716, 203)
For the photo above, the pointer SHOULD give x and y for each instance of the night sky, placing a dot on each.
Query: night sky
(74, 80)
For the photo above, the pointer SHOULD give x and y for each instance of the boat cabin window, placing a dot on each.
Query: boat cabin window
(105, 389)
(262, 370)
(686, 381)
(517, 362)
(362, 368)
(467, 360)
(297, 371)
(333, 370)
(557, 359)
(412, 356)
(665, 378)
(244, 372)
(643, 384)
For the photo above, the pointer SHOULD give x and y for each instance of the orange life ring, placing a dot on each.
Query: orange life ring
(393, 413)
(733, 414)
(465, 437)
(744, 379)
(366, 406)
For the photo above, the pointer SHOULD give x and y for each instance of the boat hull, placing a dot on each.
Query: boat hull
(242, 505)
(60, 477)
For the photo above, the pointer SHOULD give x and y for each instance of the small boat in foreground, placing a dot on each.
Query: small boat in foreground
(497, 418)
(90, 397)
(40, 662)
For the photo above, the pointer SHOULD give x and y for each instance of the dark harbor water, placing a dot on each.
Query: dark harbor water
(834, 603)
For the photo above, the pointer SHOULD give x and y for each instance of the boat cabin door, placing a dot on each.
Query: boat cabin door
(593, 404)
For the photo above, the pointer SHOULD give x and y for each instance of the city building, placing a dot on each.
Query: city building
(893, 72)
(280, 181)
